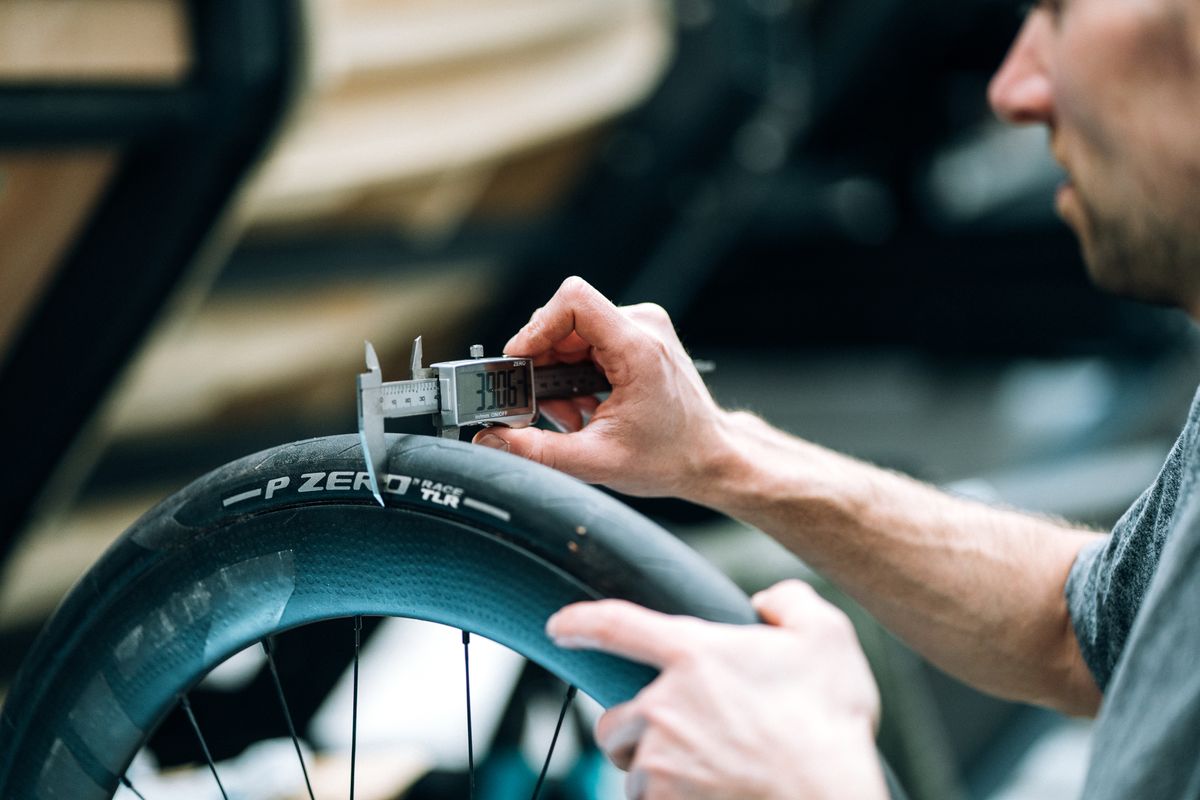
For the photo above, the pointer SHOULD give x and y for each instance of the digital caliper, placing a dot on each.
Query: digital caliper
(474, 391)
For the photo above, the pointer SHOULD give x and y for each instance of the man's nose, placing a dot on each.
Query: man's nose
(1021, 91)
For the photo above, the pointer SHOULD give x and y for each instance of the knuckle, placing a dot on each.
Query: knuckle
(797, 587)
(654, 321)
(575, 286)
(647, 311)
(662, 350)
(791, 592)
(657, 313)
(837, 624)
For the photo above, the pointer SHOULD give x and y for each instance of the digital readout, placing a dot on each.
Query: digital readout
(493, 390)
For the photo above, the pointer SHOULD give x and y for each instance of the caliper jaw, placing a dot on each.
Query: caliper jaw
(370, 420)
(372, 392)
(420, 372)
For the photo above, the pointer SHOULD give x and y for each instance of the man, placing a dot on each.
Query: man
(1023, 607)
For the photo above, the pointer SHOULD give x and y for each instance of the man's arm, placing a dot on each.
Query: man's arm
(978, 591)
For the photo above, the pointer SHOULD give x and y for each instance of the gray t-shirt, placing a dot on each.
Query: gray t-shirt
(1135, 604)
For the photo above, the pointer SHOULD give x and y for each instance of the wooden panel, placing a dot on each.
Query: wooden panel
(357, 37)
(124, 41)
(44, 200)
(527, 185)
(437, 94)
(244, 356)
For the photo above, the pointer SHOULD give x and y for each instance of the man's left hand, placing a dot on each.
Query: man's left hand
(782, 710)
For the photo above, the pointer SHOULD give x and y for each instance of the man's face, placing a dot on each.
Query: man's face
(1117, 82)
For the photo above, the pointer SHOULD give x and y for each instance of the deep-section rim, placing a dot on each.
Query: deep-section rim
(261, 572)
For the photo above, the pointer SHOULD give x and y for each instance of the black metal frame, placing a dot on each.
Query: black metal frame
(639, 191)
(184, 152)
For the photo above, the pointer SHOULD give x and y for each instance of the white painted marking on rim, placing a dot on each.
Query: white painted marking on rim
(487, 509)
(237, 498)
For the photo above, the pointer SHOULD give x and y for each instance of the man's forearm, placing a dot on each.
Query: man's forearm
(977, 590)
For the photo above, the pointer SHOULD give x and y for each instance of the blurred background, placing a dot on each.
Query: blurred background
(206, 208)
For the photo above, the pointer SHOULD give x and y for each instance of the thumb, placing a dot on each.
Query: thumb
(788, 604)
(568, 452)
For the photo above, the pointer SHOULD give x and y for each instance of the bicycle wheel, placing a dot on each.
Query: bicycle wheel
(469, 537)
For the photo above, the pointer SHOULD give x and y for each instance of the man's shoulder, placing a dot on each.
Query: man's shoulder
(1147, 731)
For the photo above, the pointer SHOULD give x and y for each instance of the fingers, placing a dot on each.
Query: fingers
(788, 603)
(795, 605)
(573, 453)
(653, 317)
(570, 415)
(570, 350)
(618, 732)
(620, 628)
(576, 308)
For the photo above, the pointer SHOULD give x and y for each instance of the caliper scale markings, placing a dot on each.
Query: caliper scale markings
(408, 398)
(568, 380)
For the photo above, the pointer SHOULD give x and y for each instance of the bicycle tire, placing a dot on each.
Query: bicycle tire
(469, 537)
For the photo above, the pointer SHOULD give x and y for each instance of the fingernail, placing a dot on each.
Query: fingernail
(568, 640)
(572, 642)
(493, 441)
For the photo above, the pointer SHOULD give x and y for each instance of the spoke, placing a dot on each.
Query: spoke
(287, 715)
(187, 709)
(354, 717)
(128, 784)
(562, 713)
(466, 640)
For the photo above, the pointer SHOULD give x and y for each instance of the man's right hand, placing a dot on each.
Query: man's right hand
(659, 433)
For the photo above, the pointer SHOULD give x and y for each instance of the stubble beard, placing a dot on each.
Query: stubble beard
(1141, 256)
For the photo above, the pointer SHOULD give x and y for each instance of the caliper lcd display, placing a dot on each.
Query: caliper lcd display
(493, 390)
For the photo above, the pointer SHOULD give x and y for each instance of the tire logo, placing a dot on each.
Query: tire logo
(396, 484)
(435, 492)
